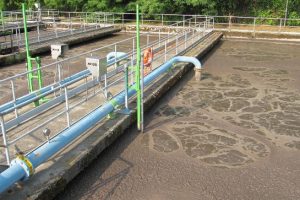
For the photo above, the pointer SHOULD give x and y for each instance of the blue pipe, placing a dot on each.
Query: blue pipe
(29, 97)
(115, 57)
(19, 170)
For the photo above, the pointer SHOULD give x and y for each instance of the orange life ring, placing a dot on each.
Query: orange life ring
(147, 61)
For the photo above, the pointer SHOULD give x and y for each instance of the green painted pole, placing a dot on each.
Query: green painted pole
(40, 80)
(30, 75)
(138, 70)
(28, 57)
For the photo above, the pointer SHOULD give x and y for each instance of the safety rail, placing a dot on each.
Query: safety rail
(74, 26)
(171, 18)
(90, 20)
(227, 23)
(44, 36)
(76, 88)
(162, 19)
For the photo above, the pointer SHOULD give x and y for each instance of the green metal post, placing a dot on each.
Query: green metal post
(138, 70)
(31, 75)
(39, 73)
(29, 63)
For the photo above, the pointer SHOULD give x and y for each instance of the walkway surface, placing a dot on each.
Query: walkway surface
(234, 135)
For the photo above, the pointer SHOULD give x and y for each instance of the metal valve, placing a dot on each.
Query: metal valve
(46, 133)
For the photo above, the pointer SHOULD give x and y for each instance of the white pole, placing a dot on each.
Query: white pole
(286, 11)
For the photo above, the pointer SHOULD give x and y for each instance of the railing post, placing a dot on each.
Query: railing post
(193, 38)
(229, 22)
(185, 38)
(5, 142)
(18, 36)
(254, 26)
(126, 85)
(280, 25)
(116, 56)
(176, 44)
(86, 89)
(159, 37)
(67, 107)
(69, 16)
(131, 71)
(133, 46)
(165, 51)
(71, 26)
(147, 39)
(38, 31)
(14, 97)
(55, 28)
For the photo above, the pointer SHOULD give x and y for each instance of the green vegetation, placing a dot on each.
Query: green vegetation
(263, 8)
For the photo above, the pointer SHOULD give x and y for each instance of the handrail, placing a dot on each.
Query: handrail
(76, 56)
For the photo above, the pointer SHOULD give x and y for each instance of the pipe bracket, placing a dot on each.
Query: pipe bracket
(26, 164)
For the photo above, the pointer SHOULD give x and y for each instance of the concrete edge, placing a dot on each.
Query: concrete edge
(47, 183)
(259, 35)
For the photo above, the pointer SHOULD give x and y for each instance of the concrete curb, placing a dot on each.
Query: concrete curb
(53, 176)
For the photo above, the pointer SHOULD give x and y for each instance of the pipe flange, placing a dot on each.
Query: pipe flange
(26, 164)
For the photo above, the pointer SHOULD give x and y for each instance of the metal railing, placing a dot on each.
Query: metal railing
(13, 23)
(89, 20)
(164, 19)
(161, 19)
(20, 122)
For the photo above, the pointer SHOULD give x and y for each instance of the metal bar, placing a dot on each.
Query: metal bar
(5, 142)
(286, 12)
(165, 53)
(138, 70)
(67, 107)
(126, 85)
(28, 57)
(14, 98)
(105, 86)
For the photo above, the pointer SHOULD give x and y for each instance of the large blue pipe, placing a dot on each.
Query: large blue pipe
(29, 97)
(17, 171)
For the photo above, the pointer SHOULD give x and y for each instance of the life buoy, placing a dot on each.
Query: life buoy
(147, 61)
